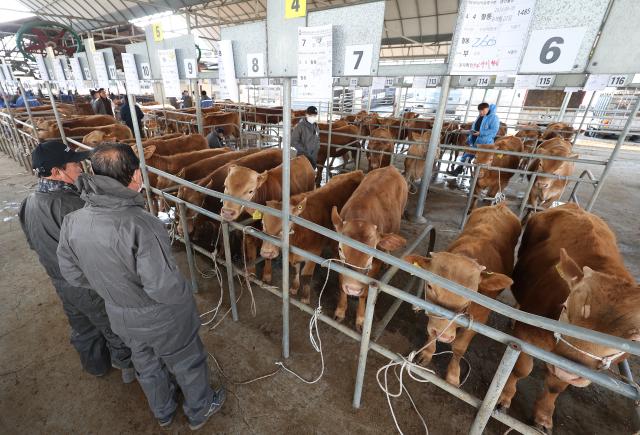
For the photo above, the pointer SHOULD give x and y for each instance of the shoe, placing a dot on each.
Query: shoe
(165, 422)
(456, 171)
(128, 375)
(219, 397)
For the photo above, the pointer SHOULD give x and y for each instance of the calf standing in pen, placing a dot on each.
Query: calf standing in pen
(416, 155)
(379, 148)
(569, 269)
(316, 207)
(546, 190)
(480, 259)
(250, 185)
(371, 216)
(494, 180)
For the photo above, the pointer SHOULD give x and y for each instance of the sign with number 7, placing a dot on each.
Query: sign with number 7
(295, 8)
(358, 59)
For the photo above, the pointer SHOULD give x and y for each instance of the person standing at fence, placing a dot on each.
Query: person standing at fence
(187, 100)
(483, 131)
(41, 216)
(125, 115)
(124, 252)
(102, 105)
(305, 137)
(215, 139)
(205, 100)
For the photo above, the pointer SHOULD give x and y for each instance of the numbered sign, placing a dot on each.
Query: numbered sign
(388, 81)
(87, 73)
(378, 82)
(617, 80)
(596, 82)
(552, 50)
(420, 82)
(190, 68)
(145, 69)
(255, 65)
(545, 81)
(357, 60)
(131, 73)
(483, 81)
(525, 82)
(42, 67)
(432, 81)
(112, 72)
(158, 34)
(353, 83)
(295, 8)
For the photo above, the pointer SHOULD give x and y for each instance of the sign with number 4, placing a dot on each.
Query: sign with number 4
(255, 65)
(190, 68)
(357, 60)
(295, 8)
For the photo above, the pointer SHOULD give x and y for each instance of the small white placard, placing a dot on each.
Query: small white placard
(636, 78)
(255, 65)
(572, 89)
(502, 79)
(378, 82)
(315, 60)
(420, 82)
(87, 73)
(357, 60)
(483, 81)
(190, 68)
(617, 80)
(59, 71)
(227, 71)
(432, 81)
(76, 69)
(42, 67)
(8, 74)
(389, 81)
(545, 81)
(102, 76)
(169, 73)
(552, 50)
(596, 82)
(525, 82)
(145, 69)
(353, 83)
(131, 73)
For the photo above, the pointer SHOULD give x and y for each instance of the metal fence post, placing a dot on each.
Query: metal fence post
(143, 165)
(563, 107)
(466, 112)
(525, 198)
(28, 108)
(199, 119)
(472, 197)
(187, 246)
(229, 265)
(15, 147)
(614, 153)
(364, 342)
(327, 162)
(286, 180)
(584, 117)
(509, 359)
(431, 152)
(54, 106)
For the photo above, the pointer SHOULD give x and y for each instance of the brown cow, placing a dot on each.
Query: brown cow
(176, 145)
(260, 161)
(314, 206)
(379, 149)
(97, 137)
(202, 168)
(155, 138)
(352, 119)
(174, 163)
(569, 269)
(558, 129)
(415, 160)
(529, 134)
(494, 180)
(340, 137)
(228, 121)
(88, 121)
(372, 216)
(546, 190)
(417, 125)
(120, 131)
(480, 259)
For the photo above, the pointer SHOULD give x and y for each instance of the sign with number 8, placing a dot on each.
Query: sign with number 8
(295, 8)
(255, 65)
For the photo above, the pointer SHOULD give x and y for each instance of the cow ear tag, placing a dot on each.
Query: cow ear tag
(415, 263)
(257, 215)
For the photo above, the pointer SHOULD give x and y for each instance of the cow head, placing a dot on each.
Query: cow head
(272, 225)
(597, 301)
(367, 233)
(464, 271)
(242, 183)
(485, 158)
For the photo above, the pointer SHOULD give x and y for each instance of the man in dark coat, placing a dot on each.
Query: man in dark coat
(305, 137)
(103, 104)
(41, 217)
(124, 253)
(125, 115)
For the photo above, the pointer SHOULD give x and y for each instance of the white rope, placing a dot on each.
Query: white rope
(406, 364)
(206, 275)
(246, 272)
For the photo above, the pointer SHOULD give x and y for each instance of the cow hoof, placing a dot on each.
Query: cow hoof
(306, 301)
(267, 279)
(293, 291)
(501, 408)
(543, 429)
(338, 318)
(359, 327)
(453, 381)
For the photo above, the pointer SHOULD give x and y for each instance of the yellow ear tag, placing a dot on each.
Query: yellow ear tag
(559, 270)
(415, 263)
(499, 155)
(257, 214)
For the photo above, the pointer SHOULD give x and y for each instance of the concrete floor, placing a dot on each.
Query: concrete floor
(43, 389)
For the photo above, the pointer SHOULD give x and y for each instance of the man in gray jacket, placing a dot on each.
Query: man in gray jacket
(123, 252)
(41, 217)
(305, 137)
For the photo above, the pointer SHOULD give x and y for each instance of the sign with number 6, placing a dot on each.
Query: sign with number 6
(358, 59)
(552, 50)
(255, 65)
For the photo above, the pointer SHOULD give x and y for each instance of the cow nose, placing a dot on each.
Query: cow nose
(269, 254)
(352, 290)
(227, 213)
(443, 337)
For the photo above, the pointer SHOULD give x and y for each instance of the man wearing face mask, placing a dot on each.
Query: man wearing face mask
(305, 137)
(124, 253)
(41, 217)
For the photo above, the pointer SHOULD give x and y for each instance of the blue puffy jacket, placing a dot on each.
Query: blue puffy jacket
(488, 128)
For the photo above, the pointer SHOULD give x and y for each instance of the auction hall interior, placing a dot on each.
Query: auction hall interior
(320, 216)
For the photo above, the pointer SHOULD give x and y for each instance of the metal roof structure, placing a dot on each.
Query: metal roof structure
(412, 28)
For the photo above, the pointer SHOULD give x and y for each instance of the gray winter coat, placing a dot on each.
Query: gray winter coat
(123, 252)
(305, 138)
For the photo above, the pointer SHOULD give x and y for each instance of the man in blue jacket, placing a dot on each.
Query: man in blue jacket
(484, 130)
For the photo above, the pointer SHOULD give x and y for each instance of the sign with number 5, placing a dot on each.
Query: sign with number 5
(357, 60)
(552, 50)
